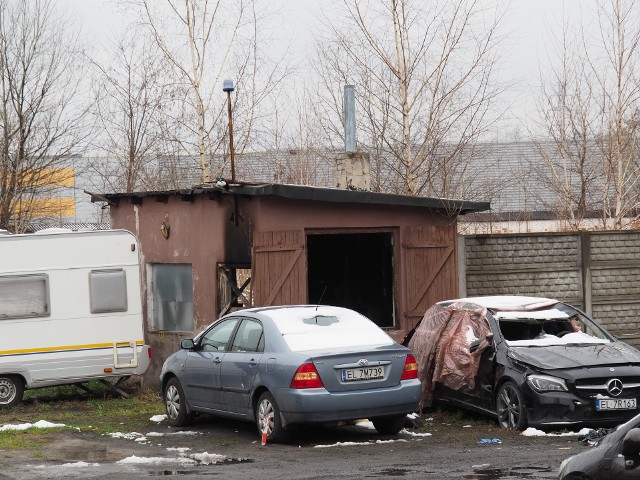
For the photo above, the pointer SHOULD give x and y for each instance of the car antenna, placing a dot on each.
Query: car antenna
(322, 295)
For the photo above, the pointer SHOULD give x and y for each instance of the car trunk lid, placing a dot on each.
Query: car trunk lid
(344, 369)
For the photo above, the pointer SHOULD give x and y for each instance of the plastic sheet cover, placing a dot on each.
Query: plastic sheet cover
(441, 345)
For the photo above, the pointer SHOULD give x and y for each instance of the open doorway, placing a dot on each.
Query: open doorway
(353, 270)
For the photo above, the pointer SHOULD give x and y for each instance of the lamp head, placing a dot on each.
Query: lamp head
(227, 86)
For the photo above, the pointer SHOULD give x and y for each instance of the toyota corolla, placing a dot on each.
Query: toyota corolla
(285, 366)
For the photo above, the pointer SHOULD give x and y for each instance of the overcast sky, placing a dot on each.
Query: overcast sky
(531, 26)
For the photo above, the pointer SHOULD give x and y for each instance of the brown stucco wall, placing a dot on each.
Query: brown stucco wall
(197, 231)
(207, 231)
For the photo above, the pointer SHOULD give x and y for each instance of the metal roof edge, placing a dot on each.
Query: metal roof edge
(320, 194)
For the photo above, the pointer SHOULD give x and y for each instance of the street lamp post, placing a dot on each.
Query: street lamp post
(227, 86)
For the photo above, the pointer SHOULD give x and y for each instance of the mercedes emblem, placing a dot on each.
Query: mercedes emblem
(614, 387)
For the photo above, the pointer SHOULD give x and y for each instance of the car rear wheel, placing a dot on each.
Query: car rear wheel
(11, 390)
(510, 407)
(268, 419)
(175, 403)
(389, 425)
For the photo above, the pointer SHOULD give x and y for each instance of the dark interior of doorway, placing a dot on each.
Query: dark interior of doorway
(353, 270)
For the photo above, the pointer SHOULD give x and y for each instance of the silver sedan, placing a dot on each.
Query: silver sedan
(285, 366)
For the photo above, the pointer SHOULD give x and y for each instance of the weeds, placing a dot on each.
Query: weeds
(100, 413)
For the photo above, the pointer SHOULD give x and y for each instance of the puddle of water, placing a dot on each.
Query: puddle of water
(509, 473)
(394, 472)
(226, 461)
(168, 473)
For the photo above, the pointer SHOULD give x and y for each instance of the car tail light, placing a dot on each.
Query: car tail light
(410, 368)
(149, 352)
(307, 377)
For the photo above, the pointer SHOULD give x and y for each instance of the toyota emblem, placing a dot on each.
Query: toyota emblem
(363, 362)
(614, 387)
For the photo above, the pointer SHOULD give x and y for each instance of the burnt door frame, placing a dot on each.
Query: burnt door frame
(394, 234)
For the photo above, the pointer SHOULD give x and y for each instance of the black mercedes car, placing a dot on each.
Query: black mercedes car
(526, 361)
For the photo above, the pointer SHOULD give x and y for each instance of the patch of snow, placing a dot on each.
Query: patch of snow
(158, 418)
(546, 339)
(207, 458)
(160, 434)
(180, 450)
(534, 432)
(350, 329)
(126, 436)
(25, 426)
(351, 444)
(156, 460)
(550, 314)
(79, 465)
(414, 434)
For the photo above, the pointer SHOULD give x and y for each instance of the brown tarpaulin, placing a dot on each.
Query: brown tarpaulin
(441, 347)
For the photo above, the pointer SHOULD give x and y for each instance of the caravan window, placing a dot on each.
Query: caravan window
(108, 290)
(24, 296)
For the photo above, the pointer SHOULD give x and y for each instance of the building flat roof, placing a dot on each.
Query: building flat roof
(305, 192)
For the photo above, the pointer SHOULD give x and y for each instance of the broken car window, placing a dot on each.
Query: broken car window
(558, 325)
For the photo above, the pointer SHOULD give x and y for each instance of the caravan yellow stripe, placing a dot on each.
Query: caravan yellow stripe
(65, 348)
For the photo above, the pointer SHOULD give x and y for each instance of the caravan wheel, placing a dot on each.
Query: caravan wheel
(11, 390)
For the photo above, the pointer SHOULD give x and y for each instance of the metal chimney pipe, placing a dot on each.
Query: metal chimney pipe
(349, 119)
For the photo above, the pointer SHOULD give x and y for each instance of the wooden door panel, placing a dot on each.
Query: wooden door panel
(279, 268)
(430, 267)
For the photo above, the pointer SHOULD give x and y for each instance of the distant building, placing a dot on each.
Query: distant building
(509, 175)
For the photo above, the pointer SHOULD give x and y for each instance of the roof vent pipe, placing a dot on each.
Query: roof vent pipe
(349, 119)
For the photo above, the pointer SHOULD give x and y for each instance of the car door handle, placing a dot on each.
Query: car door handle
(252, 362)
(217, 360)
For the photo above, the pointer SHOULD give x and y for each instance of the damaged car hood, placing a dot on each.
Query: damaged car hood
(573, 356)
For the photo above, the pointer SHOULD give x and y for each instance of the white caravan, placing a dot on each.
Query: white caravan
(70, 310)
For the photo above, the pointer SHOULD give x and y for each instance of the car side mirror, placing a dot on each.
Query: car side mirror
(631, 447)
(187, 344)
(473, 346)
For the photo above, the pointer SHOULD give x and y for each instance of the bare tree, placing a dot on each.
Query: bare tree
(617, 74)
(426, 80)
(41, 122)
(589, 110)
(205, 41)
(130, 99)
(569, 173)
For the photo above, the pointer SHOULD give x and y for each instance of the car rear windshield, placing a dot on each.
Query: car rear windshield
(558, 325)
(311, 328)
